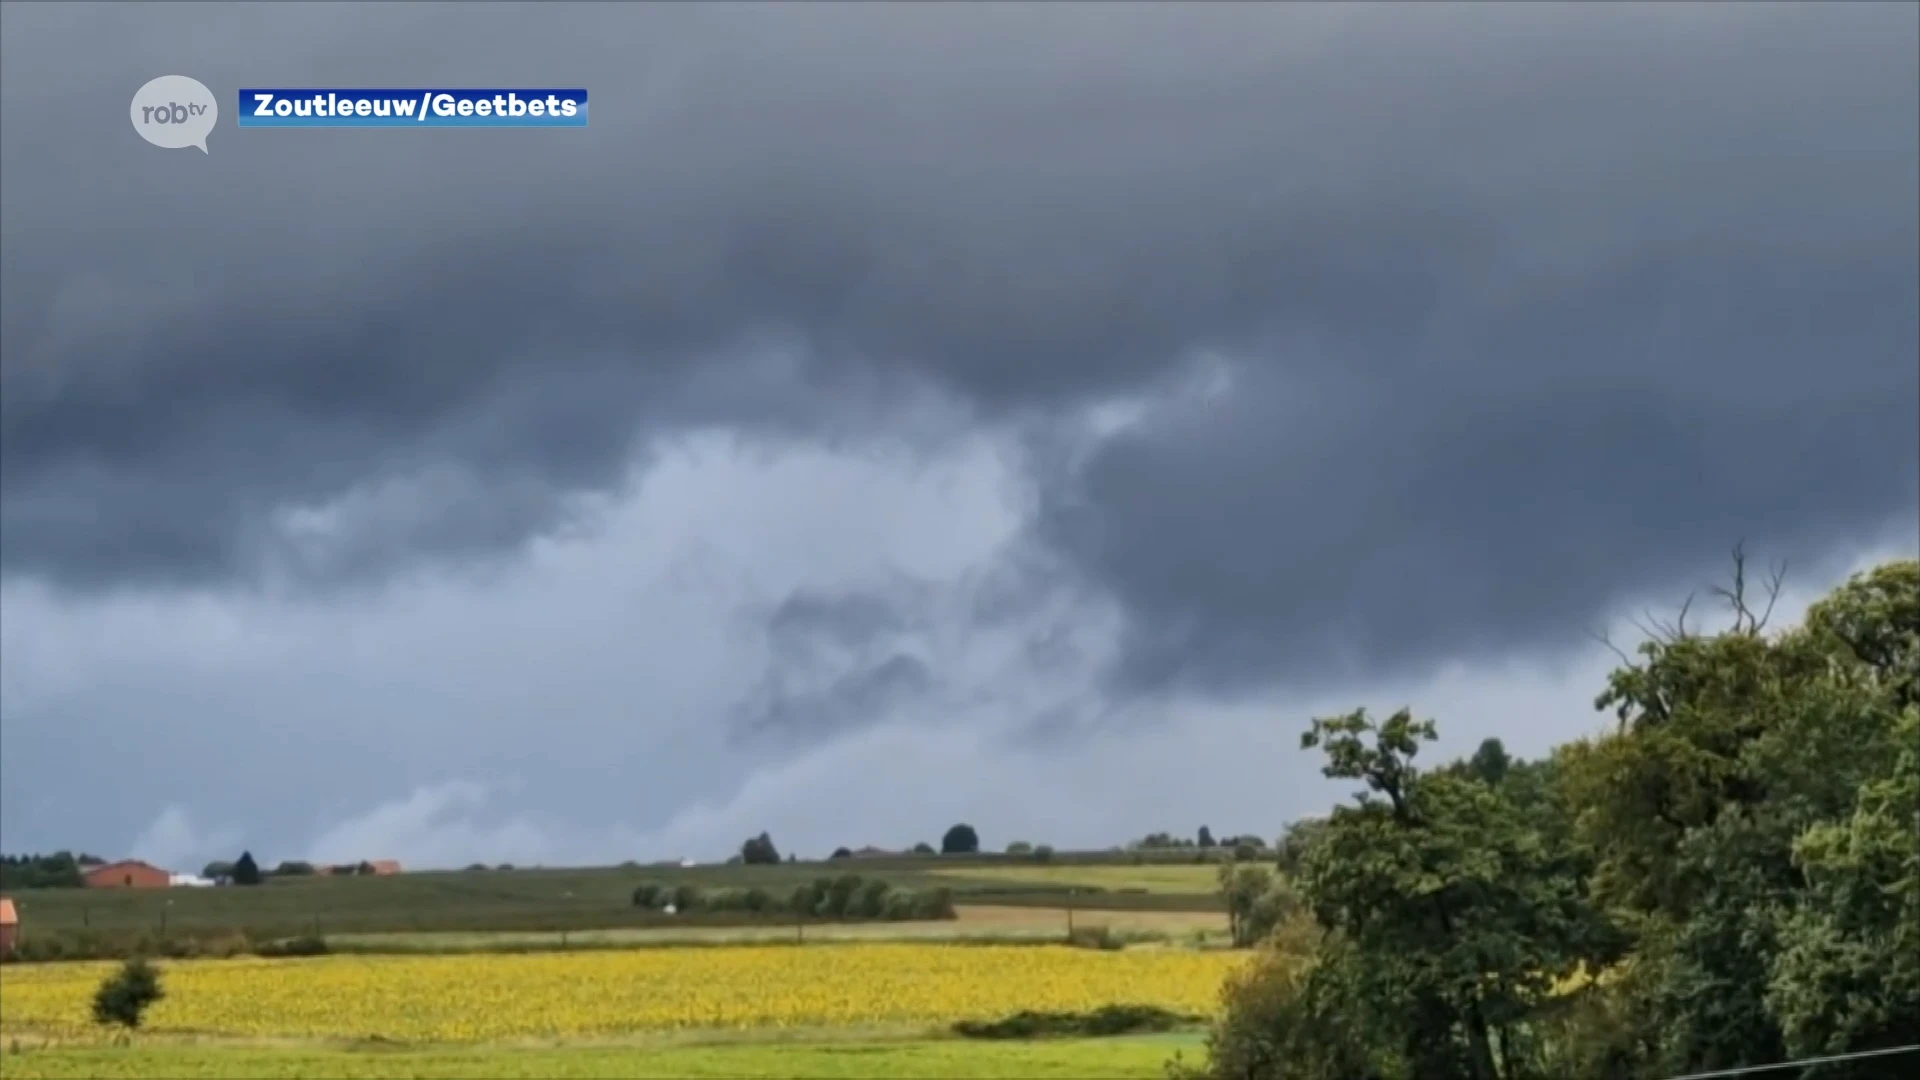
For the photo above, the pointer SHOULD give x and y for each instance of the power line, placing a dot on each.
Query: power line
(1744, 1070)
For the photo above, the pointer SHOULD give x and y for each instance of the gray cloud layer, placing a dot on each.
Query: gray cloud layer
(1507, 309)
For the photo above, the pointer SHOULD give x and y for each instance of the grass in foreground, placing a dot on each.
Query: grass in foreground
(1075, 1058)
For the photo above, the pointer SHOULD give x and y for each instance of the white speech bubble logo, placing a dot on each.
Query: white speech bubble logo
(174, 112)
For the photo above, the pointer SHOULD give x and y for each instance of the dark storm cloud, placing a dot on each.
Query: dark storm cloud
(1521, 306)
(856, 698)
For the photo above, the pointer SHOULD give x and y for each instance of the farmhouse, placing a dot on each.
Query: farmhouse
(126, 874)
(9, 924)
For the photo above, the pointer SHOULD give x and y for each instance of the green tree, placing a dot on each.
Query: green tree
(1731, 748)
(1459, 917)
(960, 840)
(1019, 847)
(245, 870)
(1490, 762)
(1205, 839)
(1847, 974)
(759, 851)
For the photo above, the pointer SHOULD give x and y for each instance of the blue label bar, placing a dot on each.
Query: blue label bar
(423, 108)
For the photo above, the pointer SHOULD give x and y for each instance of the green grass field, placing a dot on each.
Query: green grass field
(1167, 880)
(1077, 1058)
(975, 923)
(589, 899)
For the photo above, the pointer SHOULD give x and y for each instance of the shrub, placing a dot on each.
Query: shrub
(1043, 853)
(901, 906)
(841, 894)
(687, 897)
(805, 899)
(1245, 852)
(871, 903)
(841, 853)
(1104, 1021)
(125, 994)
(647, 895)
(934, 904)
(293, 868)
(1099, 937)
(757, 899)
(1019, 847)
(305, 945)
(923, 848)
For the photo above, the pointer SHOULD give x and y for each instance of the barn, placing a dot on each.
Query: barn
(9, 924)
(126, 874)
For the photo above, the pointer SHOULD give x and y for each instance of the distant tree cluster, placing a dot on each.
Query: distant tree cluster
(60, 870)
(759, 851)
(847, 896)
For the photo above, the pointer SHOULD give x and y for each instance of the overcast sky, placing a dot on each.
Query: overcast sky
(888, 415)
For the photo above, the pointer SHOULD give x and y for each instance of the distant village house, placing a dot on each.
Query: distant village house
(9, 924)
(126, 874)
(377, 868)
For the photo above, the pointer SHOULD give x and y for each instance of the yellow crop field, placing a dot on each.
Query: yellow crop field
(474, 998)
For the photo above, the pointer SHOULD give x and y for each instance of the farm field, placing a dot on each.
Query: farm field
(974, 923)
(601, 994)
(1119, 1058)
(1186, 879)
(589, 899)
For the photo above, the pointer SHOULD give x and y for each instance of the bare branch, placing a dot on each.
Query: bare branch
(1736, 597)
(1603, 638)
(1776, 575)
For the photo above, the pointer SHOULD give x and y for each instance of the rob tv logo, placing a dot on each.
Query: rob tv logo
(174, 112)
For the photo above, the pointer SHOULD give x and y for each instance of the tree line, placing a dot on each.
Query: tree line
(845, 897)
(1727, 877)
(60, 870)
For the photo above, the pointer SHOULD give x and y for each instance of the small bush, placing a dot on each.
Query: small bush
(687, 897)
(1245, 852)
(934, 904)
(647, 895)
(125, 994)
(1095, 937)
(900, 906)
(304, 945)
(924, 848)
(1107, 1020)
(757, 899)
(871, 902)
(1019, 847)
(1043, 853)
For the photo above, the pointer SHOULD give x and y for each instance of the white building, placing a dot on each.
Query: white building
(191, 881)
